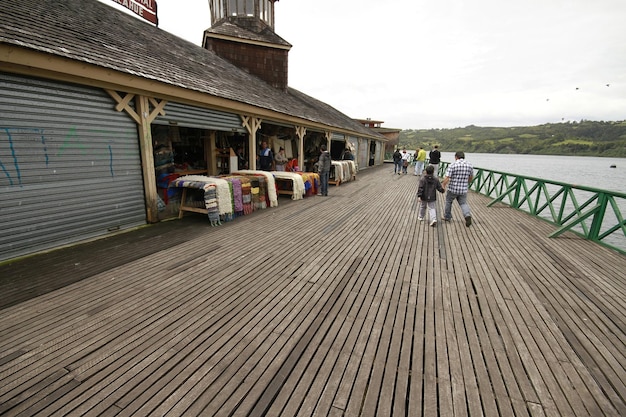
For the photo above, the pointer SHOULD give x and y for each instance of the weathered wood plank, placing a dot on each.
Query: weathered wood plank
(341, 305)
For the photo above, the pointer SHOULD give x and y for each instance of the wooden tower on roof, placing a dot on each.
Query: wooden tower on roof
(242, 32)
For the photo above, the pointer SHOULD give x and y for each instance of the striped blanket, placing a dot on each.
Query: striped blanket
(269, 181)
(210, 197)
(222, 187)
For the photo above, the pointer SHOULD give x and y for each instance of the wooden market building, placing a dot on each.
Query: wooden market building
(95, 104)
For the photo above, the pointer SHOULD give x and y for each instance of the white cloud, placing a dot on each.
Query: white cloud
(448, 63)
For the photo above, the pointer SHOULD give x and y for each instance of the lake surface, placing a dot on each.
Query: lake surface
(576, 170)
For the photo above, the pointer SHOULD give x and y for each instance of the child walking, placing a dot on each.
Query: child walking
(427, 193)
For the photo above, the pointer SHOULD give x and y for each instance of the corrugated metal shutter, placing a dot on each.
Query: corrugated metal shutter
(364, 153)
(70, 166)
(337, 136)
(200, 118)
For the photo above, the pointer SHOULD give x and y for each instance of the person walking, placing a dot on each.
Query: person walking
(323, 168)
(406, 158)
(434, 157)
(427, 193)
(456, 183)
(419, 161)
(397, 162)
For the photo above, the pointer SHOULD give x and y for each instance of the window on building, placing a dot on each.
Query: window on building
(249, 10)
(232, 7)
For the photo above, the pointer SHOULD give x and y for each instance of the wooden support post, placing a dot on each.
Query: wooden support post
(211, 151)
(301, 132)
(144, 116)
(147, 159)
(252, 124)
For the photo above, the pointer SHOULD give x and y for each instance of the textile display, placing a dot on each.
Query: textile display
(163, 182)
(269, 181)
(224, 199)
(256, 191)
(298, 190)
(344, 171)
(246, 194)
(311, 182)
(237, 187)
(210, 196)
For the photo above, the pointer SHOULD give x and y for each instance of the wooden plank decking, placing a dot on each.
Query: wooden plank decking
(328, 306)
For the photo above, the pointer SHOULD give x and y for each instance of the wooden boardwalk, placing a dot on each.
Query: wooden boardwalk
(344, 305)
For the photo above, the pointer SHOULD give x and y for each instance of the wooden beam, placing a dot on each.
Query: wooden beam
(301, 132)
(24, 61)
(252, 124)
(147, 159)
(122, 104)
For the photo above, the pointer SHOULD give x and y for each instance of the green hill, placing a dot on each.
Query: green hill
(574, 138)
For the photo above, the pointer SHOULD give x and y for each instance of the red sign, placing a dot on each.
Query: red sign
(143, 8)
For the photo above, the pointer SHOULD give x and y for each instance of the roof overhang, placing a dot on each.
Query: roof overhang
(25, 61)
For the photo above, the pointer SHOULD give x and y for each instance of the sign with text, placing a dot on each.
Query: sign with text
(146, 9)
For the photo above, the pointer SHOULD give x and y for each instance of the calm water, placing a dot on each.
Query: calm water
(577, 170)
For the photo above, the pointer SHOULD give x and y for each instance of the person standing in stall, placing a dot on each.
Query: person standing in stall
(323, 167)
(281, 159)
(242, 162)
(265, 157)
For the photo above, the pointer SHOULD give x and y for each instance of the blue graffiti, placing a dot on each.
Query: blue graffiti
(15, 161)
(13, 139)
(111, 161)
(45, 149)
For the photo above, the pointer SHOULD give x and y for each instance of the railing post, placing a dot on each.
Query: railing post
(598, 218)
(518, 190)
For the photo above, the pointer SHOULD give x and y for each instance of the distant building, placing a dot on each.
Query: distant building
(392, 135)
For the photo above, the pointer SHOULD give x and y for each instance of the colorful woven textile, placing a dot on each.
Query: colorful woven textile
(246, 194)
(237, 193)
(298, 189)
(311, 182)
(269, 181)
(223, 190)
(224, 196)
(210, 196)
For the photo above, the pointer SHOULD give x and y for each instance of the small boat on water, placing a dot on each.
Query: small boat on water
(613, 166)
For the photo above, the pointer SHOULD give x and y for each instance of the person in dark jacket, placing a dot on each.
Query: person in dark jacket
(397, 162)
(434, 157)
(265, 157)
(427, 193)
(323, 167)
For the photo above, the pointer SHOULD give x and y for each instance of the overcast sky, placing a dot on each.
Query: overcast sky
(447, 63)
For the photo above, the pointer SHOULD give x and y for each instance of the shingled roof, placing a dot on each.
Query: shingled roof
(92, 32)
(227, 28)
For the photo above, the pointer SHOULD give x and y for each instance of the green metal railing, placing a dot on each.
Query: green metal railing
(592, 213)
